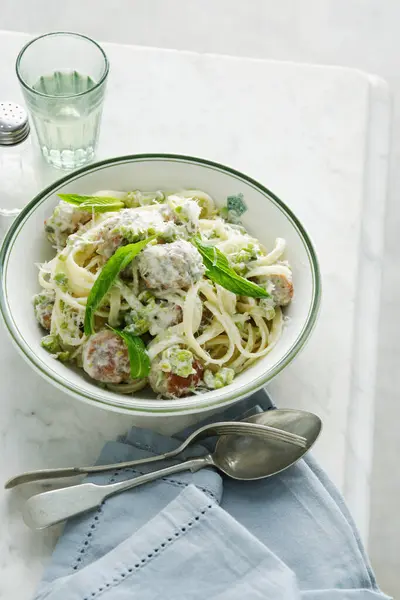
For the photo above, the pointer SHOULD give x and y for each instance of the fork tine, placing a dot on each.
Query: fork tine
(272, 430)
(264, 430)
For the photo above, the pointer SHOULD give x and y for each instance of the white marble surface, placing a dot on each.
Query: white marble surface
(315, 136)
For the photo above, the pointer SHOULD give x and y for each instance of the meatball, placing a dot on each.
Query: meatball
(129, 225)
(174, 266)
(43, 305)
(171, 385)
(105, 358)
(282, 291)
(65, 220)
(163, 315)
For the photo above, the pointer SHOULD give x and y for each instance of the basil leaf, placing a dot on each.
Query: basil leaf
(97, 204)
(138, 358)
(219, 270)
(121, 259)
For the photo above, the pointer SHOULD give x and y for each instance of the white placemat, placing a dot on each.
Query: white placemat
(318, 138)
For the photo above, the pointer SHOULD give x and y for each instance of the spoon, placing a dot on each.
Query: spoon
(241, 457)
(213, 429)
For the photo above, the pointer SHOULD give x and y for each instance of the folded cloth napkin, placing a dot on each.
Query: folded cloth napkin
(195, 535)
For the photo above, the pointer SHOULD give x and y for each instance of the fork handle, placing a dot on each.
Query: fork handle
(30, 476)
(44, 474)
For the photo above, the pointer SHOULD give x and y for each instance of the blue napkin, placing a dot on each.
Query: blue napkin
(196, 536)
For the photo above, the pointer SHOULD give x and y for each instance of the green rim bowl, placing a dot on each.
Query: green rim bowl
(267, 218)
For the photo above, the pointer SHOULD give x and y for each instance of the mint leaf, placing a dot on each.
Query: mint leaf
(121, 259)
(97, 204)
(219, 270)
(138, 358)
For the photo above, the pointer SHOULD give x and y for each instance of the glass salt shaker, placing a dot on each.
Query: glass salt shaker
(17, 177)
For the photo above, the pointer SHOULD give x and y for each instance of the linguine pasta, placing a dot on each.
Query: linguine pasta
(180, 305)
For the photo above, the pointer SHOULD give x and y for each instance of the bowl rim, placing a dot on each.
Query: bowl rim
(182, 406)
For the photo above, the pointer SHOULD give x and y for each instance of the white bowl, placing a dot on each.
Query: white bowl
(267, 217)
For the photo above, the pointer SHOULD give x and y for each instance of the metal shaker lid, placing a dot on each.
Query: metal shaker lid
(14, 124)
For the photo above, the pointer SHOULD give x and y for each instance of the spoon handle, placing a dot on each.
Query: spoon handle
(194, 464)
(49, 508)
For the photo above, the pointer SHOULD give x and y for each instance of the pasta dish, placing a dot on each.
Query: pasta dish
(161, 289)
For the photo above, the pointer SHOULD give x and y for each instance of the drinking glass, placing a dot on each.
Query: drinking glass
(63, 77)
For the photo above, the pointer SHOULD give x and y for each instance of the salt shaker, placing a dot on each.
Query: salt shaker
(17, 178)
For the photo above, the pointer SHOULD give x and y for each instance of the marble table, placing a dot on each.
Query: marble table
(319, 138)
